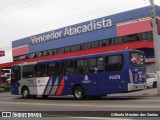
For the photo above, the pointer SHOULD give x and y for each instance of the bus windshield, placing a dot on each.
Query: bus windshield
(137, 58)
(16, 73)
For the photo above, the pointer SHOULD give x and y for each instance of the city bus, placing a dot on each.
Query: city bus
(81, 76)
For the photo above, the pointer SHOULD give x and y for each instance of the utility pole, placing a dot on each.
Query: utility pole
(156, 40)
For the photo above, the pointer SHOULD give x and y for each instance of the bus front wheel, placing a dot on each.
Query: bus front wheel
(25, 93)
(78, 93)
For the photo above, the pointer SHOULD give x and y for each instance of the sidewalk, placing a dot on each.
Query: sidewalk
(146, 92)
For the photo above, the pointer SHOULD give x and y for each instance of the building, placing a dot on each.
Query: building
(131, 29)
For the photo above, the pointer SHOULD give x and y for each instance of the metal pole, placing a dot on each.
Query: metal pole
(156, 41)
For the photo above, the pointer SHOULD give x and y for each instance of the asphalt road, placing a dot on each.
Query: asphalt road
(140, 101)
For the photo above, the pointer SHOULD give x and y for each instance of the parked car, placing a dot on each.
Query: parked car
(151, 80)
(8, 81)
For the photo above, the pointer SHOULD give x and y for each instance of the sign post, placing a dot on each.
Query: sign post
(156, 39)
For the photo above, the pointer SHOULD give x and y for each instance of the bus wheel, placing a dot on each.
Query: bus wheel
(25, 93)
(78, 93)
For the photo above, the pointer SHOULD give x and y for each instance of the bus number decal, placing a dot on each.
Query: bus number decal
(114, 77)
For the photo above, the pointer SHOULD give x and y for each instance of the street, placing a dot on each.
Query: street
(145, 100)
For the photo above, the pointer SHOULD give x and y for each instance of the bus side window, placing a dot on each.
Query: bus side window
(27, 71)
(96, 65)
(30, 71)
(50, 69)
(67, 67)
(114, 63)
(81, 67)
(100, 64)
(37, 72)
(53, 69)
(92, 65)
(40, 70)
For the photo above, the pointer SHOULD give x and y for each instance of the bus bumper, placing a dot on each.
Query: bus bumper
(134, 87)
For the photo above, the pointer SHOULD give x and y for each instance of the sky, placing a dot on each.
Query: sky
(24, 18)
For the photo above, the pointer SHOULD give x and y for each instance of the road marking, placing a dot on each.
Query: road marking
(106, 100)
(83, 105)
(51, 104)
